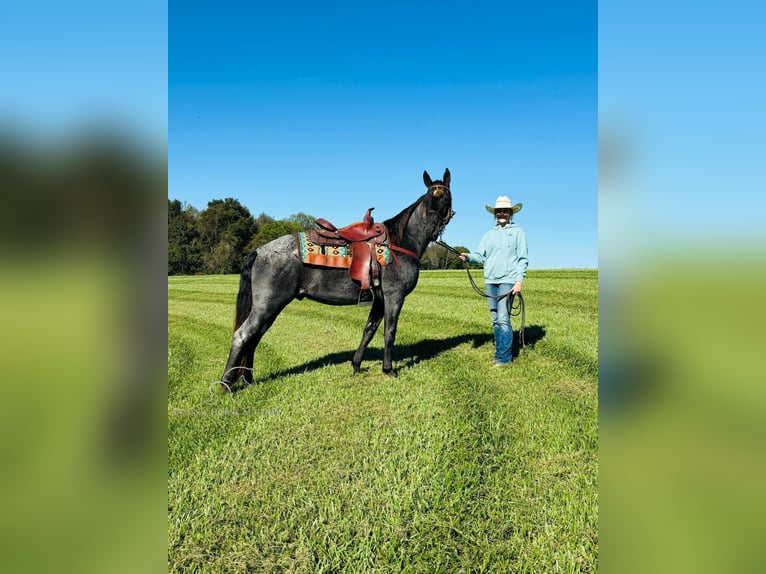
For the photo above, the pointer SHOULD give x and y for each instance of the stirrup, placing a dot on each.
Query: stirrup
(366, 301)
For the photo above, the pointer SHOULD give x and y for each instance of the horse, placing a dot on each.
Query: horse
(274, 275)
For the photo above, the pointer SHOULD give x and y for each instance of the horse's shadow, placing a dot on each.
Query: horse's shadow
(408, 356)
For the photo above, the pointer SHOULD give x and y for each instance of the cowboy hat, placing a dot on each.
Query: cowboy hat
(503, 202)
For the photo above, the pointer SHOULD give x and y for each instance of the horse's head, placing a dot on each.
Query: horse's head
(440, 200)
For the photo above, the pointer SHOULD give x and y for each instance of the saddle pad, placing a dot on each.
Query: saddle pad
(338, 256)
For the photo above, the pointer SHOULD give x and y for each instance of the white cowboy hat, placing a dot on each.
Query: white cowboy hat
(504, 202)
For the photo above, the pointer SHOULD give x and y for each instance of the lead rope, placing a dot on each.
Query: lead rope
(519, 309)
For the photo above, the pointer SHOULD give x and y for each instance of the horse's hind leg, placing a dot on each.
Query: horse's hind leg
(242, 352)
(249, 334)
(243, 344)
(373, 321)
(247, 375)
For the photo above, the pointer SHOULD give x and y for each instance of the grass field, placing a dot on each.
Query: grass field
(451, 467)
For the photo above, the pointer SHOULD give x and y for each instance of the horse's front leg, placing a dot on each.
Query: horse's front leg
(373, 321)
(389, 335)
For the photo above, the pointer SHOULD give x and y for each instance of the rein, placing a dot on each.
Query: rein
(520, 309)
(402, 250)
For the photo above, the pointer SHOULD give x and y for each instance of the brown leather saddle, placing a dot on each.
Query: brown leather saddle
(362, 237)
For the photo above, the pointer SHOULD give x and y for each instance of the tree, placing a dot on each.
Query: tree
(271, 230)
(184, 245)
(226, 227)
(221, 259)
(438, 257)
(305, 220)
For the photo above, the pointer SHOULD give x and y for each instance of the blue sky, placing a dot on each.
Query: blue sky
(68, 67)
(682, 86)
(331, 108)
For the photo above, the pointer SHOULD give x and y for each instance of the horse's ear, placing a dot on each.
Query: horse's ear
(427, 179)
(446, 177)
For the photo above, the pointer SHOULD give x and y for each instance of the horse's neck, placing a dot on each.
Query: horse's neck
(414, 237)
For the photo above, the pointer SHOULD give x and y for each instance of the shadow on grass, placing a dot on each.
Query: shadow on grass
(532, 335)
(406, 356)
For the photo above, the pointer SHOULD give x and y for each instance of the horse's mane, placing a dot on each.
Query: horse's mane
(397, 225)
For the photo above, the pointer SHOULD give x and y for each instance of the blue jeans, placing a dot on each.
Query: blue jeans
(501, 320)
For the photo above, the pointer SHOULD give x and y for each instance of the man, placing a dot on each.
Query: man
(503, 251)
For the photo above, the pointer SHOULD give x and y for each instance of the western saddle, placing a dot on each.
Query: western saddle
(362, 237)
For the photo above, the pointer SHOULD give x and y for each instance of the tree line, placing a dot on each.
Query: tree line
(218, 239)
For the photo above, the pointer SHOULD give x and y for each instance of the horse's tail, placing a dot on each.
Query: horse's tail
(245, 295)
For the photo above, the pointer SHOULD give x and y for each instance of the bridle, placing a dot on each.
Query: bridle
(437, 186)
(437, 190)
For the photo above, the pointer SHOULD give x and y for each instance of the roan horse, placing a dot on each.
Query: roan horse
(274, 275)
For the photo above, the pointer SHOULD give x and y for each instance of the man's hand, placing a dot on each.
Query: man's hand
(462, 256)
(516, 289)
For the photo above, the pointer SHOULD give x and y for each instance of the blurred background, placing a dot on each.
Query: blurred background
(682, 269)
(83, 243)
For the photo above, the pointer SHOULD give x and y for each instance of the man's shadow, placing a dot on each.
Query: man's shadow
(532, 335)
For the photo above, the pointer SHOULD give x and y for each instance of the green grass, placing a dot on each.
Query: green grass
(451, 467)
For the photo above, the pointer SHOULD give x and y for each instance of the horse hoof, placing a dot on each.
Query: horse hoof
(357, 368)
(390, 373)
(223, 388)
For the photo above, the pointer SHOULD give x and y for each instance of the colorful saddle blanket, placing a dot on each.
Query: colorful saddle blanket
(339, 256)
